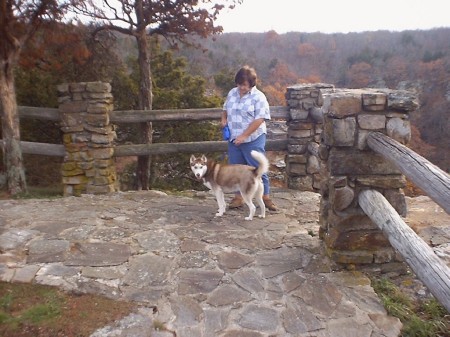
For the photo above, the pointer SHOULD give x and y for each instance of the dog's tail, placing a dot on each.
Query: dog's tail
(263, 163)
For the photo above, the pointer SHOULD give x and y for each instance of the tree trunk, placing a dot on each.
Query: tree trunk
(145, 103)
(12, 153)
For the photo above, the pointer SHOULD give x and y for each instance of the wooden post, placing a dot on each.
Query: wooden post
(428, 177)
(431, 270)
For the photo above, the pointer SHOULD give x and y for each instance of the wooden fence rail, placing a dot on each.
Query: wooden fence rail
(50, 114)
(57, 150)
(187, 147)
(43, 149)
(137, 116)
(430, 269)
(430, 178)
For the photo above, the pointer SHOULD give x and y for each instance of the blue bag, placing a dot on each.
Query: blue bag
(226, 132)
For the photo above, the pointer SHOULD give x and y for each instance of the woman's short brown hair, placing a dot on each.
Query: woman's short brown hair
(246, 74)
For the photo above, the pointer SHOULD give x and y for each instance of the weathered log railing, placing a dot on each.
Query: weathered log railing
(43, 149)
(430, 178)
(430, 269)
(136, 116)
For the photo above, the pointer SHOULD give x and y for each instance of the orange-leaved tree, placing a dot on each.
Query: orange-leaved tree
(175, 20)
(19, 21)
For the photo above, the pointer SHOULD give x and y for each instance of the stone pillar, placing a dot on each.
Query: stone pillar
(303, 163)
(88, 138)
(348, 117)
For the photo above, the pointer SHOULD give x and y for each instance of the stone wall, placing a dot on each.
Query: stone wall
(304, 167)
(88, 165)
(328, 152)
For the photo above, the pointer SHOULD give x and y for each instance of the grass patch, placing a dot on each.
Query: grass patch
(311, 233)
(426, 318)
(35, 192)
(29, 310)
(41, 312)
(159, 326)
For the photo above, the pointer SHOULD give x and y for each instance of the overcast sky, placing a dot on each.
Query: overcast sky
(331, 16)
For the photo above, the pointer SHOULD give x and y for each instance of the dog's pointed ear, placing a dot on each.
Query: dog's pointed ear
(204, 158)
(192, 159)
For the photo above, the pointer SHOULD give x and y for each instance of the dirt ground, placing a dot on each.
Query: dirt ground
(30, 310)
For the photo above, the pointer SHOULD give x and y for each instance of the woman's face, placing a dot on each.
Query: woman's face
(244, 88)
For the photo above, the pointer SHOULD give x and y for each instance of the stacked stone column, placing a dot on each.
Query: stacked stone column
(328, 153)
(88, 165)
(303, 163)
(351, 166)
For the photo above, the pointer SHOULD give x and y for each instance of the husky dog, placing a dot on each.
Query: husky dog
(222, 178)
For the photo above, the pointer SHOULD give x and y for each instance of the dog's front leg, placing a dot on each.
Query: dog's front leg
(220, 197)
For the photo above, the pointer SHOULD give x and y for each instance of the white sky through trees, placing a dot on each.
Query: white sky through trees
(335, 16)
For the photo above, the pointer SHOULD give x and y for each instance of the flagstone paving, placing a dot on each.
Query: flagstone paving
(198, 275)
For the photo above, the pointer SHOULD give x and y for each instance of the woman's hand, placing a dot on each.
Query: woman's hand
(240, 139)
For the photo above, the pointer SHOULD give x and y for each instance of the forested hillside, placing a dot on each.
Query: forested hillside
(413, 60)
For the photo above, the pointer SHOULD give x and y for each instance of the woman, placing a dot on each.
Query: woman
(245, 111)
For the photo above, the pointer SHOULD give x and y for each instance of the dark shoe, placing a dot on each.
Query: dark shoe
(269, 204)
(236, 202)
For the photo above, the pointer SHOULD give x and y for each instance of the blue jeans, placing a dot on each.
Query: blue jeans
(241, 155)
